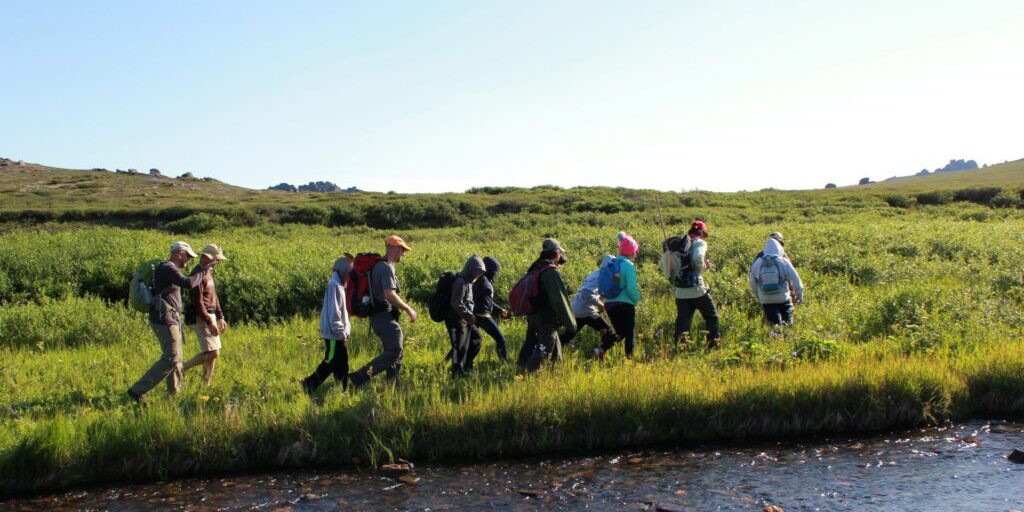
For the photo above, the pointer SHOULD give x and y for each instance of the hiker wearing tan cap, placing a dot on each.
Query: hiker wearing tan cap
(165, 319)
(205, 314)
(387, 306)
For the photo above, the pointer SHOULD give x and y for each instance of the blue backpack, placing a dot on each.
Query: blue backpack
(608, 281)
(771, 278)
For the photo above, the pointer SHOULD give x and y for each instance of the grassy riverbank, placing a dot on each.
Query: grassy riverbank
(75, 429)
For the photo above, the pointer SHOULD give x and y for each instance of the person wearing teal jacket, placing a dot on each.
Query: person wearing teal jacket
(622, 307)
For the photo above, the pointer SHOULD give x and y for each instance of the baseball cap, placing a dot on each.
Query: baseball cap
(396, 241)
(778, 237)
(699, 224)
(213, 251)
(183, 246)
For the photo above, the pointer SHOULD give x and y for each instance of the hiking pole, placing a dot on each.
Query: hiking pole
(661, 218)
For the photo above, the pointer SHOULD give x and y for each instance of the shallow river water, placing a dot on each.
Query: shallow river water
(957, 468)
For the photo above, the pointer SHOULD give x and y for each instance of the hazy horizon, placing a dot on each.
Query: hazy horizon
(452, 95)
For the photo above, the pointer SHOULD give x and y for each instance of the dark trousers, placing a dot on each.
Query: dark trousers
(390, 359)
(684, 316)
(541, 341)
(335, 363)
(778, 314)
(465, 340)
(623, 317)
(490, 326)
(597, 323)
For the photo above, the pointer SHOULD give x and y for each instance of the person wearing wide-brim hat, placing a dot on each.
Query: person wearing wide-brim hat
(205, 314)
(165, 320)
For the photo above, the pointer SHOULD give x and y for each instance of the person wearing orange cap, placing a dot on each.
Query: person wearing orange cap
(387, 306)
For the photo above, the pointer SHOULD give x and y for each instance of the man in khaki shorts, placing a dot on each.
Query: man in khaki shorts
(205, 314)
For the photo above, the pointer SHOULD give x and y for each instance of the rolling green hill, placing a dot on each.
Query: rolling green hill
(1010, 174)
(35, 193)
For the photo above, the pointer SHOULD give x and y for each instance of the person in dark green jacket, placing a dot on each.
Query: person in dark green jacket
(552, 312)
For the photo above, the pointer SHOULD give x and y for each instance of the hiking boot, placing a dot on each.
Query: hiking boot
(139, 399)
(713, 344)
(357, 381)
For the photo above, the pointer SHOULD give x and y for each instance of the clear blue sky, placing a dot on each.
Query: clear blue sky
(445, 95)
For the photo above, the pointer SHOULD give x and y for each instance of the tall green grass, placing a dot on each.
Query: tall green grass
(911, 317)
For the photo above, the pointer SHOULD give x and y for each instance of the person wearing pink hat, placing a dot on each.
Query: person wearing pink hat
(621, 300)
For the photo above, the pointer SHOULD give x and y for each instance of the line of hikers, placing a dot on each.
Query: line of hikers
(367, 286)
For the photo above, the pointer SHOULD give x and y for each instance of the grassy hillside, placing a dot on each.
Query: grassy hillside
(34, 194)
(1009, 175)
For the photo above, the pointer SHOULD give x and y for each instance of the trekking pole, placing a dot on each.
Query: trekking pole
(661, 218)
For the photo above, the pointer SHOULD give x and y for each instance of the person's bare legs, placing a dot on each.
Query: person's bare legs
(207, 359)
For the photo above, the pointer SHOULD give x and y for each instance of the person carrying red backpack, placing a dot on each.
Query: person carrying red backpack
(550, 310)
(386, 306)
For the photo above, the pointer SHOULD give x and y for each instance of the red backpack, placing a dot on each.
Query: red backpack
(358, 299)
(523, 296)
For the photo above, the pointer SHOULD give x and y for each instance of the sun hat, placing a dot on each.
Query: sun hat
(214, 252)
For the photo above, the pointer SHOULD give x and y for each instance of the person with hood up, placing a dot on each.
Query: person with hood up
(461, 322)
(622, 307)
(552, 312)
(484, 306)
(775, 282)
(587, 304)
(335, 329)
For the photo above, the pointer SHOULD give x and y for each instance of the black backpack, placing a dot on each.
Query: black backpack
(683, 275)
(440, 304)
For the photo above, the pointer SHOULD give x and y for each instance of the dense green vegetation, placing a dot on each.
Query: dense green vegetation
(34, 194)
(913, 315)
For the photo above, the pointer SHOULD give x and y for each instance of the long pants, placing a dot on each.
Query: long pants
(684, 316)
(168, 367)
(390, 359)
(597, 323)
(490, 326)
(465, 341)
(541, 341)
(335, 363)
(623, 317)
(778, 314)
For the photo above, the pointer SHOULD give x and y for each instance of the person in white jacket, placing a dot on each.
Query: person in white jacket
(775, 282)
(334, 329)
